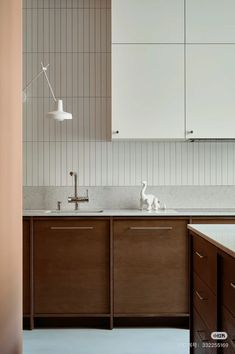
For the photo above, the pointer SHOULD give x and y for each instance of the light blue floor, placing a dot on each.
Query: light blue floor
(117, 341)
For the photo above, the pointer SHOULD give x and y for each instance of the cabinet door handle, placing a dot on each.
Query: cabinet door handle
(71, 227)
(151, 228)
(199, 255)
(199, 295)
(232, 285)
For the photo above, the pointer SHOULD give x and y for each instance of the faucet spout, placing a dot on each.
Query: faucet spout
(75, 182)
(76, 199)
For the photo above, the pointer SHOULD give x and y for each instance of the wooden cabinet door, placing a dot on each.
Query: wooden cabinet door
(210, 91)
(138, 21)
(26, 266)
(210, 21)
(204, 258)
(148, 91)
(150, 267)
(71, 266)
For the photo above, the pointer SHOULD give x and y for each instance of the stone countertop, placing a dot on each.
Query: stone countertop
(221, 235)
(132, 212)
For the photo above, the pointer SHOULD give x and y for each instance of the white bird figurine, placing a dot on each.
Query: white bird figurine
(149, 200)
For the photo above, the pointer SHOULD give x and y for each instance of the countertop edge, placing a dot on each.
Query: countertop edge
(133, 213)
(192, 227)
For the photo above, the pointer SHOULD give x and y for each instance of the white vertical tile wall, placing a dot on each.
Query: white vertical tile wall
(74, 36)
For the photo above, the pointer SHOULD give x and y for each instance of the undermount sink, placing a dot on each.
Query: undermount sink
(73, 211)
(163, 211)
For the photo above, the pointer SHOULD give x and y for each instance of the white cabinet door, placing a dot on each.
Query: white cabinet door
(210, 21)
(210, 93)
(148, 91)
(147, 21)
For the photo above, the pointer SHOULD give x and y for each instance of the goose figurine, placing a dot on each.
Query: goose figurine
(148, 200)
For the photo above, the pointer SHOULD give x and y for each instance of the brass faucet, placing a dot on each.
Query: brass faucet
(76, 199)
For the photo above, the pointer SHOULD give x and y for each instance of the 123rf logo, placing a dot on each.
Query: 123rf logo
(219, 335)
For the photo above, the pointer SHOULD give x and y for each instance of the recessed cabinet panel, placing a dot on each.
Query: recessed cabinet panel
(148, 21)
(148, 92)
(150, 267)
(71, 266)
(204, 261)
(210, 91)
(210, 21)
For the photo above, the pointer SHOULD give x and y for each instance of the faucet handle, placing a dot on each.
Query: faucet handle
(163, 206)
(59, 205)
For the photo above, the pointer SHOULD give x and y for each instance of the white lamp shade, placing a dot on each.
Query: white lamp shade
(59, 114)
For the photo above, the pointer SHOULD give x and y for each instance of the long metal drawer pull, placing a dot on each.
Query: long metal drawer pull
(232, 285)
(199, 296)
(199, 255)
(151, 228)
(72, 228)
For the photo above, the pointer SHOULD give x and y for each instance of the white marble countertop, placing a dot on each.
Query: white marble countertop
(132, 212)
(221, 235)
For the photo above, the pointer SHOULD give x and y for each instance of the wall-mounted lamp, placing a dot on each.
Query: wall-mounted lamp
(58, 114)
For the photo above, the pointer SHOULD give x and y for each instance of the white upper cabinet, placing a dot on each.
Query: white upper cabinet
(147, 21)
(210, 91)
(210, 21)
(148, 91)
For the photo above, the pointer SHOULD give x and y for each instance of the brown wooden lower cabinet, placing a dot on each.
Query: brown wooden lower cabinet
(122, 268)
(71, 267)
(150, 267)
(103, 267)
(212, 297)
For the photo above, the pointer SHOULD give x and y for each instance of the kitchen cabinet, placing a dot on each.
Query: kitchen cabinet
(96, 267)
(71, 267)
(203, 295)
(212, 297)
(118, 269)
(210, 21)
(148, 91)
(150, 267)
(210, 91)
(173, 71)
(204, 262)
(138, 21)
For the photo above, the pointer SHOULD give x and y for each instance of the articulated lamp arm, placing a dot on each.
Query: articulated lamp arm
(43, 71)
(59, 114)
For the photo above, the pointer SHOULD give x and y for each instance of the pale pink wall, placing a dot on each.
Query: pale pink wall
(10, 176)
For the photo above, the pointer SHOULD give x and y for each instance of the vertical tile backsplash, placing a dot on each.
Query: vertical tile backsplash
(74, 36)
